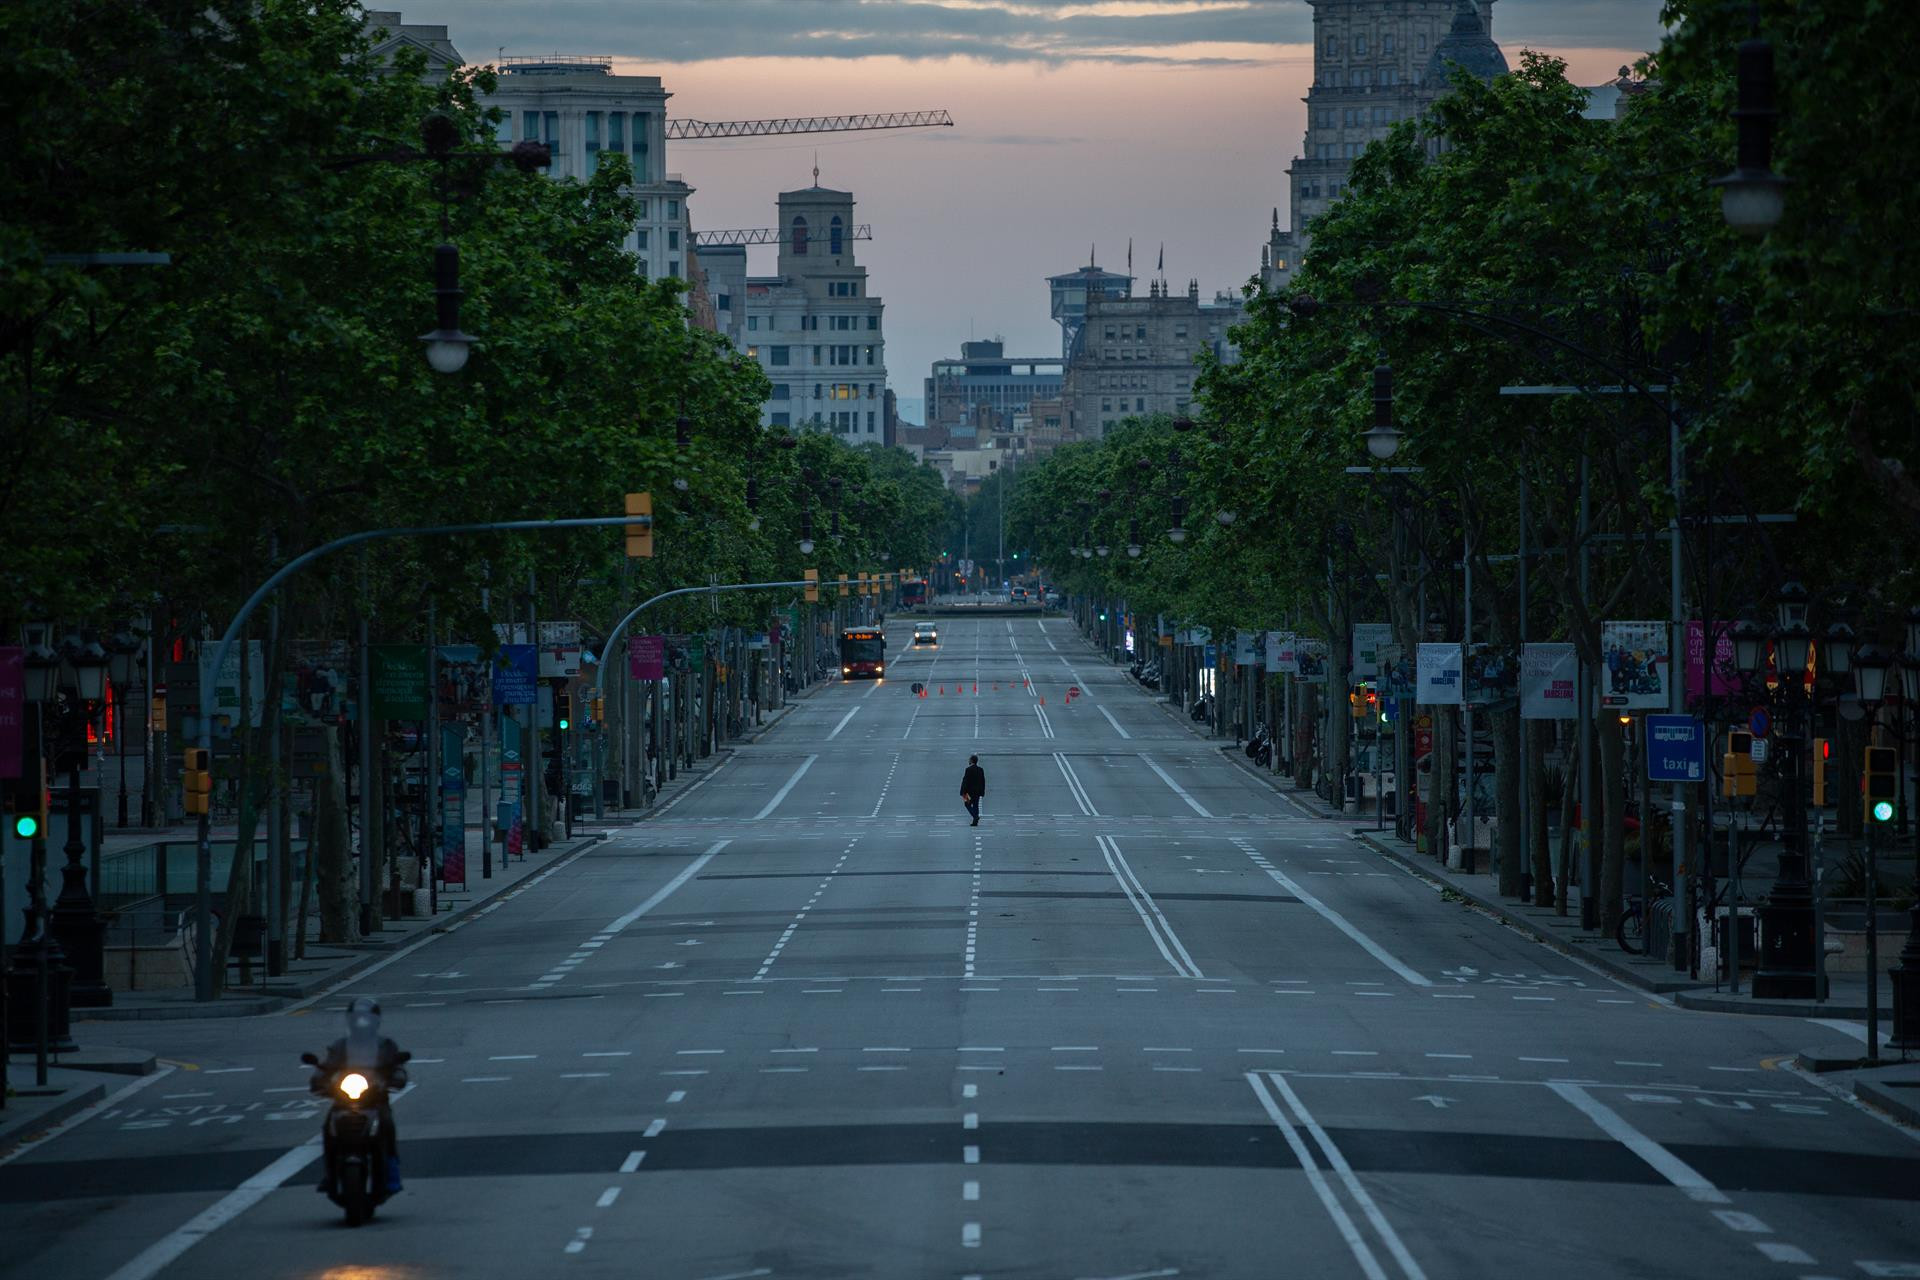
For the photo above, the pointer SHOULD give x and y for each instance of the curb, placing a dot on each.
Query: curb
(14, 1131)
(1709, 1001)
(1901, 1101)
(255, 1006)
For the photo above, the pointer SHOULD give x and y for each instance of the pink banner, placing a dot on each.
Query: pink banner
(13, 709)
(1726, 678)
(647, 657)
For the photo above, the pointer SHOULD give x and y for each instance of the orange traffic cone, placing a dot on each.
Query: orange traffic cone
(976, 688)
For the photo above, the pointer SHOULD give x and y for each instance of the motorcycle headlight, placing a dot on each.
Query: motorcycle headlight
(353, 1084)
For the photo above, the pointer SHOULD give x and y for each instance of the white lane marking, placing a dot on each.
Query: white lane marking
(1858, 1030)
(607, 1198)
(1735, 1220)
(1147, 909)
(579, 1242)
(1140, 1275)
(225, 1071)
(80, 1117)
(655, 1129)
(969, 1190)
(741, 1275)
(1338, 1162)
(843, 720)
(677, 1095)
(1340, 922)
(781, 794)
(689, 872)
(1046, 727)
(1115, 723)
(1778, 1252)
(1663, 1161)
(1357, 1245)
(1078, 792)
(970, 1235)
(632, 1162)
(1177, 788)
(968, 1155)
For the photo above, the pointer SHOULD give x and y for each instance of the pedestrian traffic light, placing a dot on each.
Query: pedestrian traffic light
(813, 586)
(26, 804)
(1880, 782)
(196, 780)
(640, 531)
(563, 708)
(1822, 752)
(599, 710)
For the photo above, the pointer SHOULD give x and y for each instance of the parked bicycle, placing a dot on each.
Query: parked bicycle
(1631, 931)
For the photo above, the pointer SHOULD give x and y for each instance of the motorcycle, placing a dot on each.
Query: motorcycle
(1260, 746)
(357, 1139)
(1201, 709)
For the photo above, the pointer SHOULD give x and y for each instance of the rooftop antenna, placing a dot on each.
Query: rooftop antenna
(816, 168)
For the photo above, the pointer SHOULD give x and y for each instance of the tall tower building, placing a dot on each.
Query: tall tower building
(1375, 63)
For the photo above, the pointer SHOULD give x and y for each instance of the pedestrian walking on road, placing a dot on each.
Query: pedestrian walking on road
(973, 785)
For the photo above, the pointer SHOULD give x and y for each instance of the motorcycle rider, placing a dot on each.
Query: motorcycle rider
(364, 1049)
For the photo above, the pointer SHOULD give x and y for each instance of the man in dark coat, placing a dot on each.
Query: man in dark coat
(973, 785)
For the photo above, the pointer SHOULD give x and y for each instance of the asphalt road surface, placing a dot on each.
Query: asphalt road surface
(1145, 1020)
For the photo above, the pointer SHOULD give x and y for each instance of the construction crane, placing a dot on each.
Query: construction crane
(694, 130)
(760, 235)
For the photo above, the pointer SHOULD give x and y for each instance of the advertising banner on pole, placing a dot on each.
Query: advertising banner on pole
(399, 681)
(453, 805)
(1282, 657)
(1437, 675)
(462, 675)
(1548, 681)
(226, 685)
(1310, 657)
(1246, 649)
(1368, 639)
(1724, 671)
(1634, 665)
(1490, 675)
(13, 709)
(516, 672)
(647, 657)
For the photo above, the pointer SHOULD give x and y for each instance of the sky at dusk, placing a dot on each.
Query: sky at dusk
(1077, 125)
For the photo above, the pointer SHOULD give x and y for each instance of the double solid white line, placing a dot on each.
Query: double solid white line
(1073, 786)
(1046, 726)
(1291, 1128)
(1148, 910)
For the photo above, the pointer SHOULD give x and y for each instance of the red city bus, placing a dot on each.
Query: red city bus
(913, 592)
(863, 653)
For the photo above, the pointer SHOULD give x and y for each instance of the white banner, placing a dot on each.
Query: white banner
(1437, 671)
(1368, 639)
(1247, 649)
(1634, 665)
(1310, 658)
(1282, 653)
(1549, 679)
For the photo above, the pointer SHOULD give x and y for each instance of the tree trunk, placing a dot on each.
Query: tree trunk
(1613, 793)
(1534, 743)
(1442, 782)
(1506, 799)
(331, 854)
(1569, 800)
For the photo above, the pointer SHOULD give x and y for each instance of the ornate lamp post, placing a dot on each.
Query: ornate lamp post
(1788, 937)
(78, 927)
(123, 652)
(1871, 665)
(38, 981)
(1753, 196)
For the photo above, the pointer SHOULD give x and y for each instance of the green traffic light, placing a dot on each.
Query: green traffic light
(1883, 811)
(26, 826)
(564, 723)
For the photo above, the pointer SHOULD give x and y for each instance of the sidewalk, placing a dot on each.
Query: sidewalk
(81, 1080)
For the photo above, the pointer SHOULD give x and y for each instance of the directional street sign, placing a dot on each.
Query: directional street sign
(1676, 749)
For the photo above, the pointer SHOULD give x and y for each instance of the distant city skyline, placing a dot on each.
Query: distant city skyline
(1078, 124)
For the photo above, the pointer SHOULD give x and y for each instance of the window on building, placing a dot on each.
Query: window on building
(799, 236)
(819, 390)
(552, 124)
(1106, 406)
(673, 268)
(873, 322)
(1140, 331)
(869, 354)
(1333, 78)
(779, 356)
(782, 419)
(503, 132)
(1362, 78)
(593, 142)
(673, 209)
(782, 391)
(1333, 47)
(643, 269)
(642, 235)
(1140, 404)
(833, 236)
(723, 302)
(642, 122)
(816, 355)
(1346, 117)
(1386, 42)
(1360, 45)
(616, 131)
(1421, 43)
(1389, 76)
(530, 126)
(673, 237)
(869, 422)
(1109, 333)
(641, 211)
(1180, 331)
(873, 391)
(753, 322)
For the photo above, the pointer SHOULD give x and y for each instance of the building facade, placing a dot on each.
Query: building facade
(1135, 356)
(390, 34)
(1375, 63)
(583, 112)
(985, 376)
(1067, 296)
(814, 327)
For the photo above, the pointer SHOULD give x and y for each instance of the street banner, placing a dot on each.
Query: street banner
(1549, 676)
(1490, 675)
(1209, 656)
(1725, 672)
(647, 657)
(1677, 749)
(1396, 672)
(1310, 657)
(399, 681)
(1282, 657)
(559, 661)
(1368, 639)
(1633, 665)
(1437, 675)
(516, 670)
(453, 805)
(462, 676)
(13, 709)
(1246, 649)
(1194, 635)
(759, 640)
(559, 635)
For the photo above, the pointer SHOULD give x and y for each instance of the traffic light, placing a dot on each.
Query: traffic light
(862, 589)
(563, 708)
(1880, 783)
(813, 586)
(640, 532)
(196, 779)
(1822, 752)
(26, 803)
(843, 586)
(1737, 776)
(599, 709)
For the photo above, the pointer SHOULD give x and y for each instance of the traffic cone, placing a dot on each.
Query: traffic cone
(943, 691)
(976, 688)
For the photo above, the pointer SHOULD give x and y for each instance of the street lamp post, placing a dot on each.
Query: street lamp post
(38, 980)
(1871, 664)
(77, 926)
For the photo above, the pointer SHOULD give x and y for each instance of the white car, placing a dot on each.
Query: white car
(925, 633)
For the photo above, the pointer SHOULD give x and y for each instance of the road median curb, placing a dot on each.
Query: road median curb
(17, 1127)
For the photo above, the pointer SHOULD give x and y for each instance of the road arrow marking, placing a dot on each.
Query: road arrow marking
(1439, 1103)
